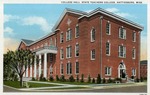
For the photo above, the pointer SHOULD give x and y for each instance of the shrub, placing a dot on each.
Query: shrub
(33, 79)
(110, 80)
(44, 79)
(41, 77)
(57, 78)
(141, 79)
(89, 79)
(51, 78)
(93, 80)
(132, 77)
(118, 79)
(104, 81)
(71, 79)
(98, 79)
(77, 78)
(62, 78)
(82, 78)
(137, 80)
(15, 78)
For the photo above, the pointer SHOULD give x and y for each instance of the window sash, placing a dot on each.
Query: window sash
(93, 35)
(77, 67)
(69, 68)
(122, 51)
(93, 54)
(61, 53)
(108, 27)
(122, 33)
(107, 70)
(77, 32)
(77, 50)
(133, 53)
(107, 48)
(62, 69)
(134, 37)
(61, 38)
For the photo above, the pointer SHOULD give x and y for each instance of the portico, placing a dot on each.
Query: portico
(41, 61)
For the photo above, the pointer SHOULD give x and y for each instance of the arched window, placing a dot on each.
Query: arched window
(93, 35)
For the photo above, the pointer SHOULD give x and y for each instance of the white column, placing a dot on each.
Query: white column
(45, 65)
(35, 67)
(40, 65)
(27, 71)
(24, 72)
(31, 70)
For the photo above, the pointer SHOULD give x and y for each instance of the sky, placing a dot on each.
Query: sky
(33, 21)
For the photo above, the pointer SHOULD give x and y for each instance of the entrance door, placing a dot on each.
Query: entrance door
(121, 71)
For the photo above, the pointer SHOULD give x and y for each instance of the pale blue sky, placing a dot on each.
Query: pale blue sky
(33, 21)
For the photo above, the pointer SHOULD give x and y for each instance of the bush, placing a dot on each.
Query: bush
(51, 78)
(98, 79)
(141, 79)
(132, 77)
(93, 80)
(118, 79)
(110, 80)
(57, 78)
(104, 81)
(77, 78)
(33, 79)
(137, 80)
(15, 78)
(89, 79)
(41, 77)
(82, 78)
(62, 78)
(71, 79)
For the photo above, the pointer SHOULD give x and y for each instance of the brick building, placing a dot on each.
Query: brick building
(98, 42)
(143, 68)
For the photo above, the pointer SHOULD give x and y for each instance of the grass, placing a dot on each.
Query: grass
(74, 83)
(16, 84)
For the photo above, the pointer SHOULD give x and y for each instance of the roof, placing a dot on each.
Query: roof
(27, 42)
(114, 16)
(143, 62)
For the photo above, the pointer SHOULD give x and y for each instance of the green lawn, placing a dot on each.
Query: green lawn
(74, 83)
(16, 84)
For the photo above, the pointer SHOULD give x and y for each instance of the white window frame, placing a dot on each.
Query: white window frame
(134, 36)
(68, 52)
(109, 48)
(76, 50)
(61, 37)
(68, 34)
(124, 51)
(133, 72)
(77, 26)
(93, 39)
(133, 53)
(69, 68)
(109, 25)
(92, 51)
(108, 71)
(61, 53)
(61, 68)
(124, 33)
(76, 67)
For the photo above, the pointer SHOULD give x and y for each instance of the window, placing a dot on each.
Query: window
(134, 37)
(61, 54)
(108, 27)
(107, 48)
(77, 31)
(133, 72)
(77, 50)
(122, 51)
(61, 69)
(107, 71)
(68, 50)
(51, 70)
(133, 53)
(93, 54)
(93, 35)
(61, 37)
(122, 33)
(77, 67)
(69, 68)
(68, 35)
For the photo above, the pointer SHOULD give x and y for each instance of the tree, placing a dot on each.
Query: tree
(19, 60)
(98, 79)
